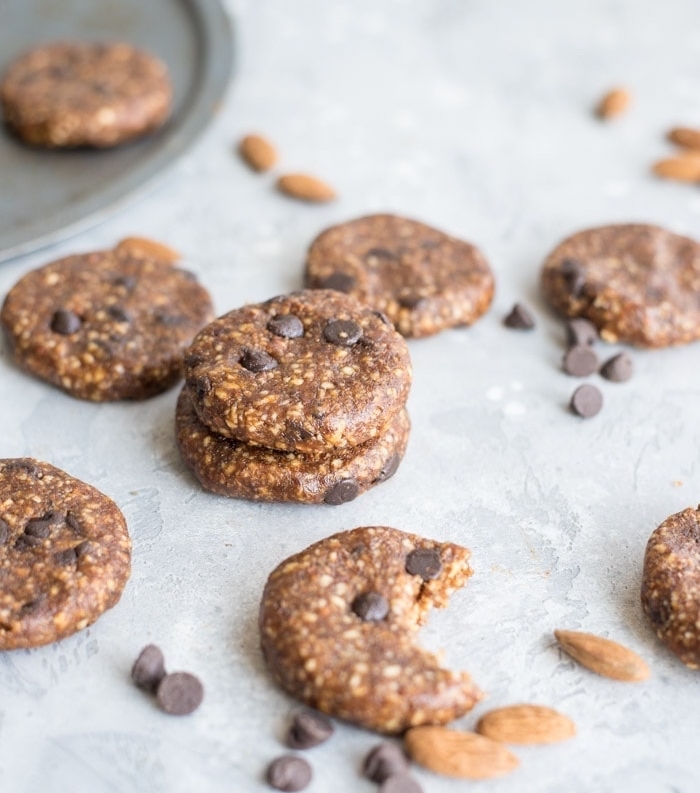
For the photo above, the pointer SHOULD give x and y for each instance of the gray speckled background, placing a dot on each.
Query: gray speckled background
(475, 117)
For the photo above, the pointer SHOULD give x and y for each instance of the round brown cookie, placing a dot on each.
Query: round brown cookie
(301, 372)
(65, 553)
(338, 623)
(638, 284)
(107, 325)
(424, 280)
(231, 468)
(671, 584)
(69, 94)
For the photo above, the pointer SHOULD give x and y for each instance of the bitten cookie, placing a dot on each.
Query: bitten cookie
(424, 280)
(301, 372)
(69, 94)
(338, 623)
(671, 584)
(65, 554)
(105, 326)
(638, 284)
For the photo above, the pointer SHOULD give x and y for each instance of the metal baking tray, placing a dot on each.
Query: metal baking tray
(48, 195)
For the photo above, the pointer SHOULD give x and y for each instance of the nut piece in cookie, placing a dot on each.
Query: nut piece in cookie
(671, 584)
(368, 671)
(65, 553)
(105, 326)
(422, 279)
(70, 94)
(638, 284)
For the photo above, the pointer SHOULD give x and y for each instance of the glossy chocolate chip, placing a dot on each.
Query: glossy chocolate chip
(370, 606)
(580, 361)
(257, 361)
(288, 326)
(64, 558)
(424, 562)
(580, 331)
(180, 693)
(149, 668)
(519, 318)
(574, 276)
(65, 322)
(619, 368)
(343, 332)
(401, 783)
(341, 282)
(586, 401)
(342, 492)
(288, 773)
(384, 761)
(309, 728)
(4, 532)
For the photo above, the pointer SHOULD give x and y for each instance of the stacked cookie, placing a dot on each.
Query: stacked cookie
(301, 398)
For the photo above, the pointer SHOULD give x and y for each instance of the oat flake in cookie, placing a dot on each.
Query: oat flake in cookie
(368, 671)
(424, 280)
(105, 326)
(671, 584)
(70, 94)
(638, 284)
(65, 554)
(301, 372)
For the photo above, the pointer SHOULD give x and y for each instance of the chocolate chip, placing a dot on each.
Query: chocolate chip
(384, 761)
(342, 492)
(289, 773)
(65, 322)
(309, 728)
(180, 693)
(574, 276)
(580, 361)
(257, 361)
(390, 468)
(64, 558)
(73, 523)
(580, 331)
(343, 332)
(118, 314)
(187, 274)
(38, 527)
(401, 783)
(411, 301)
(381, 315)
(149, 668)
(170, 320)
(83, 548)
(586, 401)
(519, 318)
(202, 386)
(341, 282)
(424, 562)
(370, 606)
(380, 253)
(288, 326)
(128, 282)
(4, 531)
(618, 368)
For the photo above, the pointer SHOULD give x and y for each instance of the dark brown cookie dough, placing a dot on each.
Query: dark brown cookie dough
(69, 94)
(65, 553)
(328, 643)
(424, 280)
(107, 325)
(638, 284)
(671, 584)
(301, 372)
(231, 468)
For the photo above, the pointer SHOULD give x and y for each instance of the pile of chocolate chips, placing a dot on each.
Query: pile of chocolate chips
(178, 693)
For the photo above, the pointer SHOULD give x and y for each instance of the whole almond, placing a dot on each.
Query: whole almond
(614, 103)
(685, 137)
(684, 168)
(305, 187)
(257, 152)
(149, 249)
(603, 656)
(526, 724)
(458, 754)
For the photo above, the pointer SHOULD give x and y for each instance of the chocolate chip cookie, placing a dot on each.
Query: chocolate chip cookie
(303, 372)
(424, 280)
(338, 623)
(671, 584)
(231, 468)
(70, 94)
(637, 283)
(107, 325)
(65, 553)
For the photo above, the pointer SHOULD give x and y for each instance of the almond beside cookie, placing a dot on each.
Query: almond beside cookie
(603, 656)
(526, 724)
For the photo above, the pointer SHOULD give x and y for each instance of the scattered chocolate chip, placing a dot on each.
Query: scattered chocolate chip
(64, 558)
(118, 314)
(4, 531)
(343, 332)
(149, 668)
(384, 761)
(390, 468)
(341, 282)
(580, 361)
(586, 401)
(519, 318)
(424, 562)
(65, 322)
(370, 606)
(257, 361)
(618, 368)
(401, 783)
(288, 773)
(573, 272)
(580, 331)
(342, 492)
(288, 326)
(180, 693)
(411, 301)
(309, 728)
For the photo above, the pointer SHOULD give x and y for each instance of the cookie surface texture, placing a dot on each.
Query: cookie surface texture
(366, 669)
(71, 94)
(423, 280)
(301, 372)
(671, 584)
(65, 553)
(105, 326)
(638, 284)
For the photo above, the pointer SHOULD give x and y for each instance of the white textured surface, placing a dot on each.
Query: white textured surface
(475, 117)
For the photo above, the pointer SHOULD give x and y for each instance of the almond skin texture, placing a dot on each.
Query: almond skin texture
(684, 168)
(257, 152)
(684, 136)
(148, 249)
(603, 656)
(305, 188)
(613, 104)
(458, 754)
(526, 724)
